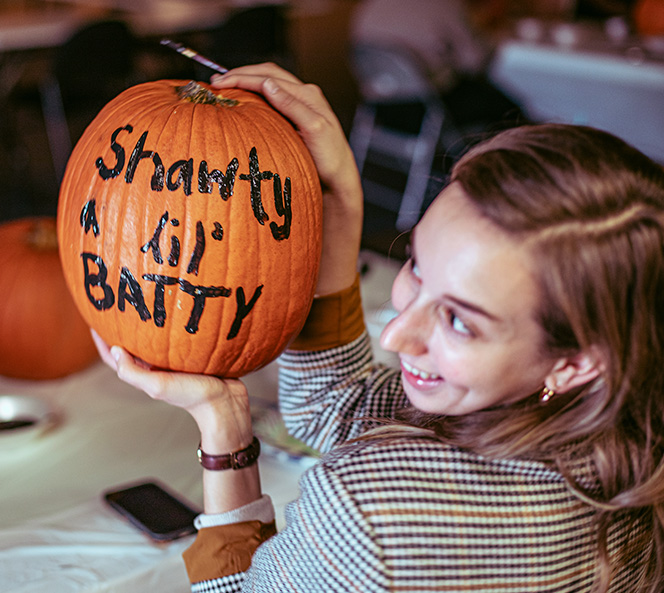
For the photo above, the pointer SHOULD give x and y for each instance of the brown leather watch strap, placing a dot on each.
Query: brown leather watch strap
(235, 460)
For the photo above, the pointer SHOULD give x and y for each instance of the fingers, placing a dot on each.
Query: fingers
(302, 103)
(307, 109)
(138, 375)
(252, 75)
(129, 369)
(219, 407)
(103, 349)
(158, 384)
(181, 389)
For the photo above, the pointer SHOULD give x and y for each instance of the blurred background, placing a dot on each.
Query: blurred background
(414, 82)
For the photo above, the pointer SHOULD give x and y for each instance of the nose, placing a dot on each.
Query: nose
(409, 331)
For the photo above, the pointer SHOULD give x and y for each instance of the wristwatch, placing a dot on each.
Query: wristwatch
(236, 460)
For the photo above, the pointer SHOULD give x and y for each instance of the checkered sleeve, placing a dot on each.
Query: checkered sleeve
(329, 396)
(328, 544)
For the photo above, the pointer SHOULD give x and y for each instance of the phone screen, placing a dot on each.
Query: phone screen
(152, 508)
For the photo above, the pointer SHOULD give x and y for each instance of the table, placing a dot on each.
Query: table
(52, 23)
(575, 73)
(57, 536)
(149, 18)
(41, 27)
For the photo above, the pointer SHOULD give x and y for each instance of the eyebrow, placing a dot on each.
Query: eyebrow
(457, 301)
(472, 308)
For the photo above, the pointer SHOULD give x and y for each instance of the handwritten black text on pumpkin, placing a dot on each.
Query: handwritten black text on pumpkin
(179, 174)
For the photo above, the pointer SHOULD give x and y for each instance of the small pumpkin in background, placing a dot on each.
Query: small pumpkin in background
(648, 16)
(190, 227)
(42, 334)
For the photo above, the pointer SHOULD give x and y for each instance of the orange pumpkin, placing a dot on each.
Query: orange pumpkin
(649, 17)
(42, 334)
(190, 227)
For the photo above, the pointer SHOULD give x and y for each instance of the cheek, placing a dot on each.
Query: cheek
(459, 364)
(488, 374)
(449, 362)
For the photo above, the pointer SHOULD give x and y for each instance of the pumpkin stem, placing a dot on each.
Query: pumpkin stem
(195, 93)
(42, 235)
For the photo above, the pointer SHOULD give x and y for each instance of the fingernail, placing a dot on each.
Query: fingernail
(270, 86)
(116, 353)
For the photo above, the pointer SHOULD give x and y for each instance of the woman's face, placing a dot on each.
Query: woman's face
(466, 332)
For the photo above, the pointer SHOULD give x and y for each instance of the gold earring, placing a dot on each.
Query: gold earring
(546, 395)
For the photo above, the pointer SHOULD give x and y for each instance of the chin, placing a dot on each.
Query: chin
(426, 404)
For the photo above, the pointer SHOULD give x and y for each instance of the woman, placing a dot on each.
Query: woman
(519, 448)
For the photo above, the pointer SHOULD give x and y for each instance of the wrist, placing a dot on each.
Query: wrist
(224, 424)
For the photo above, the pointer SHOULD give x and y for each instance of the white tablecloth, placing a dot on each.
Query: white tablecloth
(56, 534)
(87, 548)
(617, 88)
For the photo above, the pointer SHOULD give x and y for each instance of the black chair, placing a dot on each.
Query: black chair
(396, 129)
(87, 71)
(252, 35)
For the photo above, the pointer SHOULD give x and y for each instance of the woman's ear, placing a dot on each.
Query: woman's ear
(574, 371)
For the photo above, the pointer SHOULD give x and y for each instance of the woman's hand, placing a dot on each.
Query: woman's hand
(219, 407)
(307, 109)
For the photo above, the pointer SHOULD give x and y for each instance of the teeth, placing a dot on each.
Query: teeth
(419, 373)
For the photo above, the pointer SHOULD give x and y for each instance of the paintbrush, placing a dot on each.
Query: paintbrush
(194, 55)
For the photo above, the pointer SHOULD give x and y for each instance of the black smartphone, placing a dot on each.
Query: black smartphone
(154, 509)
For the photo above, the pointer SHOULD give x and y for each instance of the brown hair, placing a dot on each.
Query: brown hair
(590, 209)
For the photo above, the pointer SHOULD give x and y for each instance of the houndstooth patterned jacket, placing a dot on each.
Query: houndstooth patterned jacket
(413, 514)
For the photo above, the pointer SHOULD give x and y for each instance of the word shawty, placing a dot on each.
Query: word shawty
(180, 174)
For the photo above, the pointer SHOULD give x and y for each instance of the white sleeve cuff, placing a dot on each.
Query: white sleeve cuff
(259, 510)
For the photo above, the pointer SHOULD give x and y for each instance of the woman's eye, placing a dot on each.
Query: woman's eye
(457, 325)
(412, 263)
(414, 269)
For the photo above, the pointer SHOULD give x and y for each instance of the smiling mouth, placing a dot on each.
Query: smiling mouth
(419, 374)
